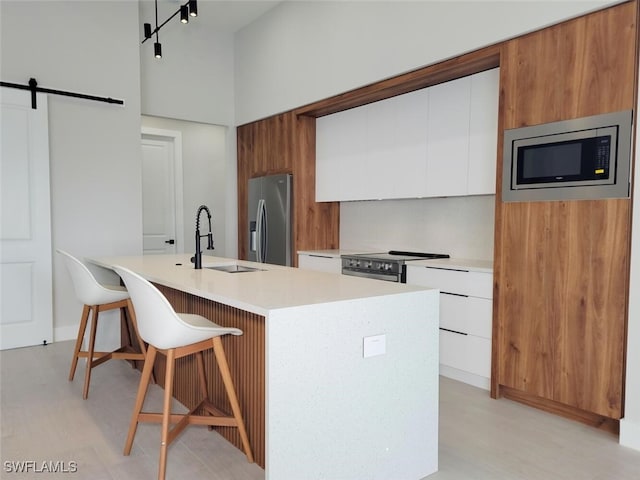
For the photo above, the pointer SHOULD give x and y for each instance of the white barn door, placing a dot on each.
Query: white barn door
(26, 314)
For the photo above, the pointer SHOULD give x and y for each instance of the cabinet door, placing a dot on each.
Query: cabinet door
(483, 132)
(397, 146)
(381, 140)
(319, 263)
(462, 282)
(465, 314)
(466, 352)
(448, 134)
(340, 156)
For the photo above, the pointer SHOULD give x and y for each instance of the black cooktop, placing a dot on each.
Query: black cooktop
(399, 255)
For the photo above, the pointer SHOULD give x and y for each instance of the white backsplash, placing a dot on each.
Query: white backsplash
(459, 226)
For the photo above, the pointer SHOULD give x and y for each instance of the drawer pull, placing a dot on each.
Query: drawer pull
(453, 331)
(454, 294)
(449, 269)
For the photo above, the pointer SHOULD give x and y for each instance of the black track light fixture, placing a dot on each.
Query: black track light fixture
(188, 9)
(193, 8)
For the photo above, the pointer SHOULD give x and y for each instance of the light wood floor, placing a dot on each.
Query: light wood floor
(43, 418)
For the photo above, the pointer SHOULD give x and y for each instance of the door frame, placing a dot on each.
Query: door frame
(175, 137)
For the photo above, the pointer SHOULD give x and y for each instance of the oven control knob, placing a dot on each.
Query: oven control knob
(387, 266)
(369, 264)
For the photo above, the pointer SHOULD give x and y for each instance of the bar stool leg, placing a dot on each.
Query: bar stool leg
(221, 359)
(131, 313)
(81, 330)
(202, 375)
(92, 342)
(142, 393)
(166, 412)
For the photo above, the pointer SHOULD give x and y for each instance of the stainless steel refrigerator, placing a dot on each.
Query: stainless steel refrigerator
(270, 219)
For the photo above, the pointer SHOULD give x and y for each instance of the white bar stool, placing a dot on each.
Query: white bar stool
(98, 298)
(177, 335)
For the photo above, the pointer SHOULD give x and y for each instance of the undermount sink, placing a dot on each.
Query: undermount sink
(235, 268)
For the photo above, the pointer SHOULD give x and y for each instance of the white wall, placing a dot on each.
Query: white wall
(204, 170)
(459, 226)
(304, 51)
(194, 81)
(94, 147)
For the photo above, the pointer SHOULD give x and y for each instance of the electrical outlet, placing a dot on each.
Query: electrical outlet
(375, 345)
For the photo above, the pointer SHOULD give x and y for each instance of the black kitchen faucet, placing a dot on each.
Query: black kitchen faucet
(197, 258)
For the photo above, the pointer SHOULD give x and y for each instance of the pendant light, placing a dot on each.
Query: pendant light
(188, 9)
(193, 8)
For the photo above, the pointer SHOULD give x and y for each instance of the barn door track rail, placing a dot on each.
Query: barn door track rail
(34, 88)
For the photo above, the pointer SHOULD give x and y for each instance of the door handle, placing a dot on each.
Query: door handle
(170, 242)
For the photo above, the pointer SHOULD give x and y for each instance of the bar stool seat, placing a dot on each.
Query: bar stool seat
(177, 335)
(98, 298)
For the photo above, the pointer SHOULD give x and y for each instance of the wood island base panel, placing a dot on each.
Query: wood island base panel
(245, 355)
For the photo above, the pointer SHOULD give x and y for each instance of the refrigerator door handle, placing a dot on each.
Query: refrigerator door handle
(252, 236)
(261, 231)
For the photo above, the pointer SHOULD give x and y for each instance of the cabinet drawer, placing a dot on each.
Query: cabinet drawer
(466, 352)
(320, 263)
(466, 314)
(477, 284)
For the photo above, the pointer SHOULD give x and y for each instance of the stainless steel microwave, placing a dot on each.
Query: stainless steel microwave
(580, 159)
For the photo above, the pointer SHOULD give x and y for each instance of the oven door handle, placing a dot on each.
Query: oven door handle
(377, 276)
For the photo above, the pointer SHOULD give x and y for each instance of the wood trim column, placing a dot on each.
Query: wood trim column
(561, 269)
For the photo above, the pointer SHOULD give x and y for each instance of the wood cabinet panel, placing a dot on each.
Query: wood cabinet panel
(316, 225)
(562, 268)
(285, 143)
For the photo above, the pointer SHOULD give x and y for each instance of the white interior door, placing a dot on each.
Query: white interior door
(162, 193)
(26, 314)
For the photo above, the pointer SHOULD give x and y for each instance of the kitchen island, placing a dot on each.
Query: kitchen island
(337, 376)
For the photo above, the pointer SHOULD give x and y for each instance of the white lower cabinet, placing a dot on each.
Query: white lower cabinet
(465, 321)
(320, 263)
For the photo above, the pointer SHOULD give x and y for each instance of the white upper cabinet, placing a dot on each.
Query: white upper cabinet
(341, 156)
(483, 132)
(434, 142)
(448, 132)
(398, 146)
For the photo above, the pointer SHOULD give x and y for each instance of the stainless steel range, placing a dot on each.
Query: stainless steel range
(389, 266)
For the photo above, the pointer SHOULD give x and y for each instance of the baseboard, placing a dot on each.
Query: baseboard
(630, 433)
(589, 418)
(68, 332)
(465, 377)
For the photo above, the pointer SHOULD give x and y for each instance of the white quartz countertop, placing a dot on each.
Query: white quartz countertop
(470, 264)
(274, 287)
